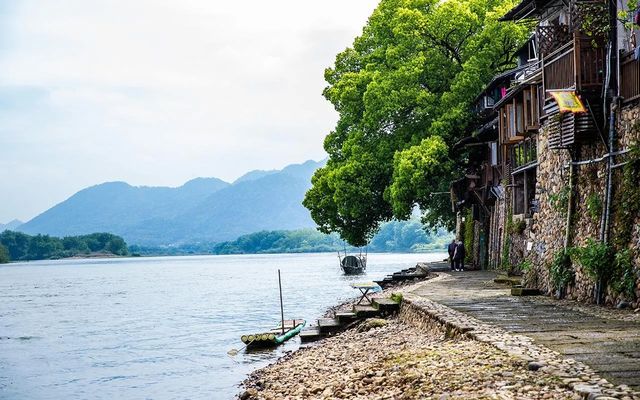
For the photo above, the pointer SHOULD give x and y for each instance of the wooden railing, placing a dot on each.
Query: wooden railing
(629, 77)
(559, 69)
(576, 65)
(590, 64)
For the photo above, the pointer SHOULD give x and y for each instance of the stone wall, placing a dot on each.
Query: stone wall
(477, 227)
(546, 230)
(496, 226)
(545, 233)
(585, 223)
(629, 136)
(548, 225)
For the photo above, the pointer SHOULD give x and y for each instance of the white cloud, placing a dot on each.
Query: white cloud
(157, 92)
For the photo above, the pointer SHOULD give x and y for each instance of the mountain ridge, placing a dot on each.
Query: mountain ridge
(201, 210)
(11, 225)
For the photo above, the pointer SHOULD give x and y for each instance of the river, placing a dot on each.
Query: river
(161, 327)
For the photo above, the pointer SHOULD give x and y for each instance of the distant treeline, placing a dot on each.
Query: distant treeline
(392, 237)
(17, 246)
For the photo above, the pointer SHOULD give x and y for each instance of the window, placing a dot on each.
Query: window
(493, 148)
(524, 152)
(530, 100)
(524, 192)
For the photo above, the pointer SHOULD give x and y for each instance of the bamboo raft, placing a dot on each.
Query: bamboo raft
(275, 336)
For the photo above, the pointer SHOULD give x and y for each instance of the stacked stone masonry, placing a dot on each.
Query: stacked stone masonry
(545, 232)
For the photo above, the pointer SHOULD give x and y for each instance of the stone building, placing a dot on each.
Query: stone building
(554, 160)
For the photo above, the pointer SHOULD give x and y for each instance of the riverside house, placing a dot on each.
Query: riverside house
(553, 157)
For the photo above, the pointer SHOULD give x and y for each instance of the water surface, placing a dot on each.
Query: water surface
(157, 328)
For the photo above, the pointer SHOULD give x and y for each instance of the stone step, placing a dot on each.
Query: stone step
(310, 334)
(365, 311)
(385, 303)
(329, 325)
(512, 280)
(520, 291)
(346, 316)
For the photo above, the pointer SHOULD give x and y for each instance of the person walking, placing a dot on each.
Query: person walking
(458, 256)
(451, 249)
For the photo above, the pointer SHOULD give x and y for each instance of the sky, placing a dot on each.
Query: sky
(157, 92)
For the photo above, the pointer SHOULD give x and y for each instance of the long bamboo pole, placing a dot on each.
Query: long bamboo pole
(281, 306)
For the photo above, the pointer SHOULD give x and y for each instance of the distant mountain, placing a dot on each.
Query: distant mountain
(117, 206)
(202, 210)
(9, 226)
(254, 175)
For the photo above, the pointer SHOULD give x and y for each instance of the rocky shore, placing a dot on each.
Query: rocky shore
(400, 361)
(428, 351)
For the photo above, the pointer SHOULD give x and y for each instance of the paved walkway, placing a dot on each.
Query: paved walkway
(607, 340)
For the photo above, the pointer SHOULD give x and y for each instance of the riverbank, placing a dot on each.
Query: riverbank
(429, 351)
(400, 361)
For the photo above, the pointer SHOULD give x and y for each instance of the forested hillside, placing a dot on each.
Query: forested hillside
(407, 236)
(17, 246)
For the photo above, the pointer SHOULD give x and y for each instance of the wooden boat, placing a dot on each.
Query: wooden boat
(276, 336)
(353, 264)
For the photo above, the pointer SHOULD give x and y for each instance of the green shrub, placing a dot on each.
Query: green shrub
(516, 227)
(594, 206)
(560, 201)
(623, 279)
(525, 265)
(597, 259)
(469, 233)
(397, 297)
(561, 270)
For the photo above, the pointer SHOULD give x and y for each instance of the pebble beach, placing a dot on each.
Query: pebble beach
(399, 361)
(427, 351)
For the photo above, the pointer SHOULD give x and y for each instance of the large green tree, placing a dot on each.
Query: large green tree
(403, 93)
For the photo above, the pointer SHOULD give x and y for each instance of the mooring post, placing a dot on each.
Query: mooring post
(281, 306)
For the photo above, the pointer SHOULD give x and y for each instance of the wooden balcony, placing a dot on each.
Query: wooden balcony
(629, 77)
(576, 65)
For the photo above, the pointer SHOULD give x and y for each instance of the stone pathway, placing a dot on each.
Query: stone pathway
(608, 342)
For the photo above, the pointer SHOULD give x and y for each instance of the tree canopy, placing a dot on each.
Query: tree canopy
(393, 237)
(403, 93)
(23, 247)
(4, 255)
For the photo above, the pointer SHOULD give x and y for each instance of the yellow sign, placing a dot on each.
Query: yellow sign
(568, 101)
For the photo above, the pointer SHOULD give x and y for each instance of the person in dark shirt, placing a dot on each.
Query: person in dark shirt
(451, 249)
(458, 256)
